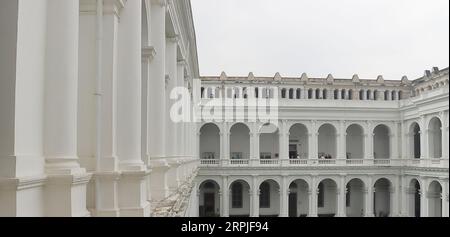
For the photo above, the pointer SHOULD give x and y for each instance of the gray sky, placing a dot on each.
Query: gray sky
(342, 37)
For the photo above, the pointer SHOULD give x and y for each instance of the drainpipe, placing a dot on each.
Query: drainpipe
(98, 93)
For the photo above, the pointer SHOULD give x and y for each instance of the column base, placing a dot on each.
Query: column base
(133, 194)
(158, 181)
(107, 190)
(65, 195)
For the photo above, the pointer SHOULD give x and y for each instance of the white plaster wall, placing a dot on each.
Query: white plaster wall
(86, 88)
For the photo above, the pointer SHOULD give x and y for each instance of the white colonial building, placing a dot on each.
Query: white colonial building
(340, 147)
(88, 126)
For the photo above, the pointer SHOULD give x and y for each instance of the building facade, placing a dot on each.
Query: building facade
(338, 147)
(89, 96)
(85, 100)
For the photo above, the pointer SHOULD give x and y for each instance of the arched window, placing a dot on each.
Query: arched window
(291, 93)
(386, 95)
(244, 93)
(400, 95)
(350, 94)
(375, 95)
(325, 94)
(202, 92)
(394, 95)
(343, 92)
(257, 92)
(318, 96)
(283, 93)
(310, 93)
(361, 95)
(368, 95)
(299, 93)
(264, 198)
(336, 94)
(236, 195)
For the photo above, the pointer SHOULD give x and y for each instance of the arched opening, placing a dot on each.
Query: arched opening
(343, 94)
(381, 142)
(298, 142)
(325, 94)
(382, 198)
(350, 94)
(414, 198)
(355, 142)
(239, 199)
(318, 94)
(269, 199)
(336, 94)
(327, 198)
(435, 199)
(369, 95)
(240, 142)
(375, 95)
(354, 199)
(386, 95)
(299, 94)
(291, 93)
(394, 95)
(283, 93)
(298, 198)
(209, 199)
(269, 142)
(415, 140)
(361, 95)
(327, 142)
(310, 94)
(210, 142)
(400, 95)
(435, 138)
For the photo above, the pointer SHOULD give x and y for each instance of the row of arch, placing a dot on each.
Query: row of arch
(437, 85)
(299, 139)
(298, 93)
(326, 199)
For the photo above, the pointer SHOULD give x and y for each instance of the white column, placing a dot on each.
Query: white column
(341, 191)
(445, 197)
(60, 129)
(444, 130)
(423, 138)
(369, 192)
(369, 145)
(171, 76)
(156, 124)
(254, 196)
(225, 197)
(341, 141)
(313, 192)
(313, 145)
(284, 198)
(424, 198)
(134, 172)
(156, 111)
(394, 143)
(181, 125)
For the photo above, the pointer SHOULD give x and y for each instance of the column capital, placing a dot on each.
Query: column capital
(161, 3)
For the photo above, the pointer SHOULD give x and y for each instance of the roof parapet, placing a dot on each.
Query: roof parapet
(304, 77)
(330, 79)
(251, 76)
(380, 79)
(356, 79)
(405, 80)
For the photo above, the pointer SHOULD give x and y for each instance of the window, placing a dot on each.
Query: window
(264, 198)
(321, 196)
(291, 94)
(202, 91)
(236, 195)
(256, 92)
(283, 93)
(265, 156)
(299, 93)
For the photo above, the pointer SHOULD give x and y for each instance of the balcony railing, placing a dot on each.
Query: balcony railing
(426, 163)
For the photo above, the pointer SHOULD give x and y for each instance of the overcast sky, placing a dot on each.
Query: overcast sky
(343, 37)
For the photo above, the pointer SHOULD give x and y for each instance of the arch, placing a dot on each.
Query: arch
(343, 94)
(325, 94)
(327, 198)
(361, 95)
(350, 94)
(382, 197)
(327, 141)
(210, 141)
(239, 199)
(209, 199)
(298, 141)
(355, 142)
(336, 94)
(299, 93)
(375, 95)
(435, 199)
(369, 95)
(291, 93)
(239, 141)
(435, 138)
(355, 201)
(386, 95)
(414, 198)
(415, 140)
(394, 95)
(269, 142)
(269, 198)
(318, 96)
(283, 93)
(381, 142)
(298, 198)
